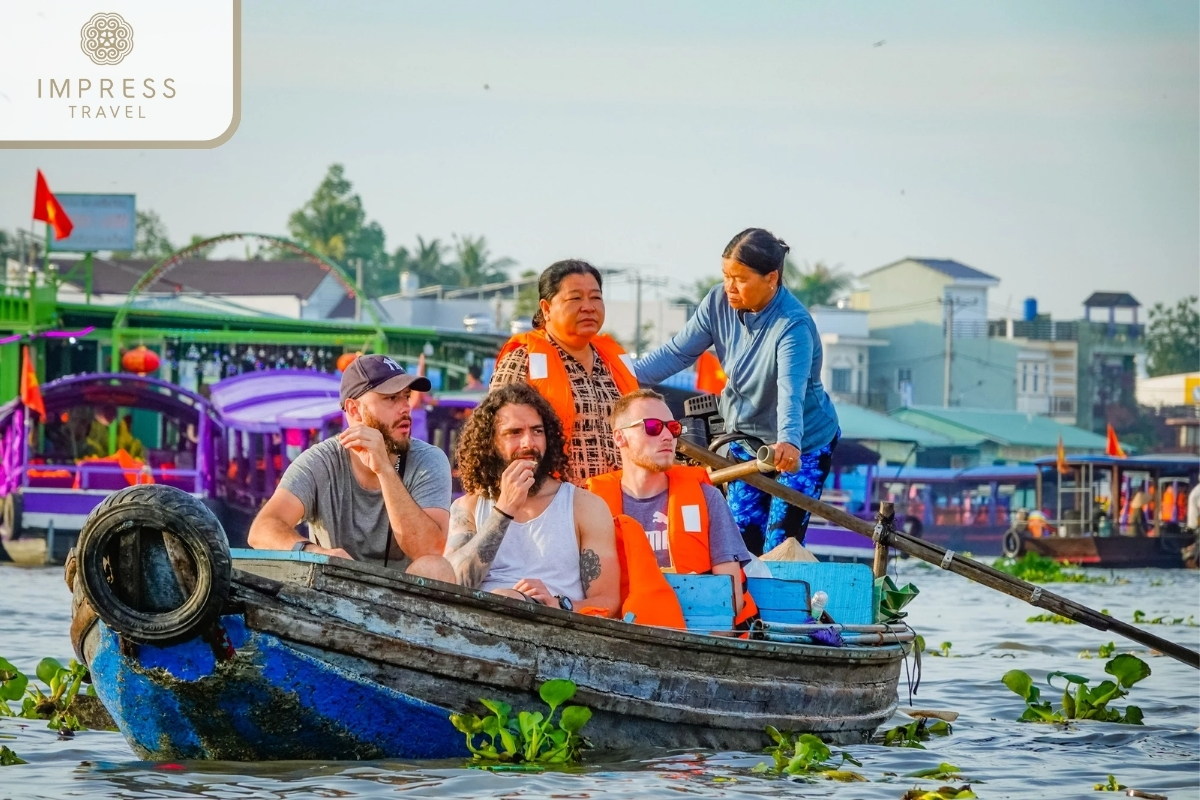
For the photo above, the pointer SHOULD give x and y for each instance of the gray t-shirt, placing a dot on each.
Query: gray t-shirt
(725, 542)
(340, 513)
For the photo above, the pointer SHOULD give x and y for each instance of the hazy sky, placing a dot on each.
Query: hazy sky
(1055, 145)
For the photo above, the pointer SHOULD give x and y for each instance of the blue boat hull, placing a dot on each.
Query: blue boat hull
(251, 697)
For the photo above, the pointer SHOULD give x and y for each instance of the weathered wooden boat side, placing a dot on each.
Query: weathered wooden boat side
(203, 653)
(340, 660)
(1112, 552)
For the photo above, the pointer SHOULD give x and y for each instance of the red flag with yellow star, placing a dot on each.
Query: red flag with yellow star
(46, 209)
(31, 393)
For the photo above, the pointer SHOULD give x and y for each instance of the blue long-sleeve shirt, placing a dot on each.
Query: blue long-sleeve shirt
(773, 361)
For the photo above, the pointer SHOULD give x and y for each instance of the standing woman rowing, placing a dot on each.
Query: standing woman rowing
(770, 350)
(580, 371)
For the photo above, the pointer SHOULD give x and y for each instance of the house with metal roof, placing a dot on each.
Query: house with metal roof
(997, 435)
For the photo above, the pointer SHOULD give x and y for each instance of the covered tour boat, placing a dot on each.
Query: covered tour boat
(54, 471)
(1105, 511)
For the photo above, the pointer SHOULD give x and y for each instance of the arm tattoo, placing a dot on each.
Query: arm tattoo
(462, 528)
(474, 558)
(589, 569)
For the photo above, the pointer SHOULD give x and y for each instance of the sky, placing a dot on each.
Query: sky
(1055, 145)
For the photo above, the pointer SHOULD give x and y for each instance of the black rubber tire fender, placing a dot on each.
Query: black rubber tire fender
(185, 517)
(1011, 544)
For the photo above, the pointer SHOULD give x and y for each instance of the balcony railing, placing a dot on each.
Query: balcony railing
(1050, 330)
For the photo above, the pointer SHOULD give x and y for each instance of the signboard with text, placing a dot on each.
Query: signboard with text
(102, 222)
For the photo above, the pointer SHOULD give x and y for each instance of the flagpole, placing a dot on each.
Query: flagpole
(46, 252)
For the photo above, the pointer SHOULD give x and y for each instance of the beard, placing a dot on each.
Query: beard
(396, 445)
(648, 463)
(540, 475)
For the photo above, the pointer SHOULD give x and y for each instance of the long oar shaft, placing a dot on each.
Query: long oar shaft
(953, 562)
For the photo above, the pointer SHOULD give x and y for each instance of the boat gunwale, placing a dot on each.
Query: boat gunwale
(440, 591)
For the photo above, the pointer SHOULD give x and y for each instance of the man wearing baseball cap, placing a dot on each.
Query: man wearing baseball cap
(372, 493)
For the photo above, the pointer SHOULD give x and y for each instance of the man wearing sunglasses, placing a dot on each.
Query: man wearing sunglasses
(685, 518)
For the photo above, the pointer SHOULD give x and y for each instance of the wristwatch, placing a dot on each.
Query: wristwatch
(301, 546)
(564, 602)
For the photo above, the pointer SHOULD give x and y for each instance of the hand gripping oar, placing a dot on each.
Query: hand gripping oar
(884, 535)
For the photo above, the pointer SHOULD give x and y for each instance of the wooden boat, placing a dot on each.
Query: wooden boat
(1086, 502)
(202, 654)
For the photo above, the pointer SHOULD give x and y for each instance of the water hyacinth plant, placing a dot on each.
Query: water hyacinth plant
(1040, 569)
(530, 737)
(807, 757)
(915, 732)
(62, 682)
(1085, 703)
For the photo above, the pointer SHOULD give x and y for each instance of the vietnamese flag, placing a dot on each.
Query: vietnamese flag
(31, 394)
(1113, 447)
(47, 209)
(1061, 460)
(710, 377)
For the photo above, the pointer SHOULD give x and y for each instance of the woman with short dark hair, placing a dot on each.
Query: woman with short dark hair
(580, 371)
(770, 350)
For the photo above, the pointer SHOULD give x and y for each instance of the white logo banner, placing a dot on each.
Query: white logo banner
(120, 73)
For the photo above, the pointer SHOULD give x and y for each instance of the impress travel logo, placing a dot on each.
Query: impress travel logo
(71, 75)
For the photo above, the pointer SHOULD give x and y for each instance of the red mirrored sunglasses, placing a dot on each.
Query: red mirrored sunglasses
(655, 426)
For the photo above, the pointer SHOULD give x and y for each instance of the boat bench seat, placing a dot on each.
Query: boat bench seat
(851, 587)
(707, 600)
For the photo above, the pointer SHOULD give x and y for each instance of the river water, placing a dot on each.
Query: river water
(988, 633)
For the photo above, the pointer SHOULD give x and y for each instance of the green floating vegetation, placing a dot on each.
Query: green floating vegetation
(807, 757)
(1040, 569)
(1110, 785)
(1141, 618)
(915, 732)
(1085, 703)
(530, 737)
(63, 684)
(1057, 619)
(8, 758)
(941, 793)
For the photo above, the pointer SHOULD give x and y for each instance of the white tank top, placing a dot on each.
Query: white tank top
(545, 548)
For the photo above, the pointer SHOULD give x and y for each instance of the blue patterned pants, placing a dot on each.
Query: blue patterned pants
(765, 520)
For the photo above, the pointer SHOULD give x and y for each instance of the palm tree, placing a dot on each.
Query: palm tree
(818, 285)
(426, 263)
(697, 290)
(474, 262)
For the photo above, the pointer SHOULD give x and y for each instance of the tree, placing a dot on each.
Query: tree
(333, 224)
(426, 262)
(697, 290)
(527, 297)
(1173, 338)
(200, 252)
(474, 262)
(150, 241)
(818, 285)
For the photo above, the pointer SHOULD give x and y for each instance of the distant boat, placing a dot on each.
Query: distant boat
(1088, 511)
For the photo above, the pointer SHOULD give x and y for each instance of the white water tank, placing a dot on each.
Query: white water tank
(410, 282)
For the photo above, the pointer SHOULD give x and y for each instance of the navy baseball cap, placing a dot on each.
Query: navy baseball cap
(381, 374)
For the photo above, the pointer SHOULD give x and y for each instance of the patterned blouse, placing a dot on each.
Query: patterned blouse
(592, 449)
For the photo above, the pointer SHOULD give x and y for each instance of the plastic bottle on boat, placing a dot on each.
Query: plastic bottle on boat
(819, 601)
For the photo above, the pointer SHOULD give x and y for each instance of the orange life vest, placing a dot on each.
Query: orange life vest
(644, 591)
(556, 386)
(690, 551)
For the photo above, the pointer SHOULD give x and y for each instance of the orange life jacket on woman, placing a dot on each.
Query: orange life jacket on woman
(689, 549)
(556, 386)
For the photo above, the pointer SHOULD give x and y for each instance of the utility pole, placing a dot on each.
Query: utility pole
(637, 317)
(949, 304)
(358, 288)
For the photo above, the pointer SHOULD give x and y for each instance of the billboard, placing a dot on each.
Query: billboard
(102, 222)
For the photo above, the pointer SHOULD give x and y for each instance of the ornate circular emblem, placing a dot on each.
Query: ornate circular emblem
(106, 39)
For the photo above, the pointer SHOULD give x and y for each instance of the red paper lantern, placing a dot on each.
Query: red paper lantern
(345, 360)
(141, 360)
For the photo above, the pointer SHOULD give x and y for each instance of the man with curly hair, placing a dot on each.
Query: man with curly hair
(520, 531)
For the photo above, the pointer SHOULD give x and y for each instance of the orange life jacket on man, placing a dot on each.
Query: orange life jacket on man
(689, 549)
(555, 386)
(645, 592)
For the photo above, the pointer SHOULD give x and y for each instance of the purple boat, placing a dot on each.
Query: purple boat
(269, 418)
(54, 472)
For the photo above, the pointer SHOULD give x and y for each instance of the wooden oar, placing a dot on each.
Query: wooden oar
(951, 561)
